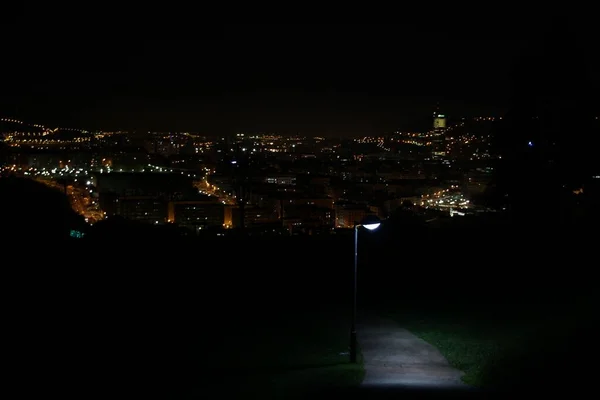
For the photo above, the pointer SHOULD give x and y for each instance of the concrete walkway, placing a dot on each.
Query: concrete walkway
(395, 357)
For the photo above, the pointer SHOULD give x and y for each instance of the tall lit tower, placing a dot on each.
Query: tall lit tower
(439, 120)
(438, 134)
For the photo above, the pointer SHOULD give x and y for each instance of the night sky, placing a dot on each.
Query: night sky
(331, 79)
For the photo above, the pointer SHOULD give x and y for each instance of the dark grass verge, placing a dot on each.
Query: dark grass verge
(293, 357)
(508, 347)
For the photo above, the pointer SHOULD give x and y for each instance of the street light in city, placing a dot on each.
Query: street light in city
(371, 222)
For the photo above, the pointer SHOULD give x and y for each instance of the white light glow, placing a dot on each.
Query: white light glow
(372, 226)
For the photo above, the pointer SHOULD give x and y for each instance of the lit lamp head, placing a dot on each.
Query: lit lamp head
(371, 222)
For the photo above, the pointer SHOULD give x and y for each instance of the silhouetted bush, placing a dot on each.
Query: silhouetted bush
(32, 211)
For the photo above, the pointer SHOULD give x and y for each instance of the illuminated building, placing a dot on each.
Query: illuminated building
(438, 134)
(150, 209)
(196, 214)
(439, 122)
(347, 214)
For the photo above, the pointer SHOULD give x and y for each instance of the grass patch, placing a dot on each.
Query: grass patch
(472, 341)
(282, 358)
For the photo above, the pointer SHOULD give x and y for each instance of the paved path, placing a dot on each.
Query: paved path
(395, 357)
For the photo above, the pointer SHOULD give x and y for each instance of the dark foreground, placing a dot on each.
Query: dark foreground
(179, 322)
(270, 318)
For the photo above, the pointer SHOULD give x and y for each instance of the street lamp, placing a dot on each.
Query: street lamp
(370, 222)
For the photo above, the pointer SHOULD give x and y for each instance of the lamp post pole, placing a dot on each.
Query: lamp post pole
(353, 343)
(370, 223)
